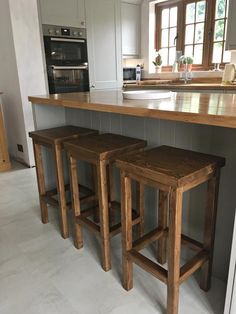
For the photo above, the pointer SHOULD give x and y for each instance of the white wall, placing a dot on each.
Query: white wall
(22, 71)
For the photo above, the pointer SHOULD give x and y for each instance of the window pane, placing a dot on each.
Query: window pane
(226, 56)
(165, 18)
(172, 54)
(190, 13)
(164, 55)
(220, 9)
(217, 52)
(173, 16)
(199, 33)
(198, 51)
(201, 9)
(188, 52)
(219, 30)
(164, 38)
(173, 33)
(189, 34)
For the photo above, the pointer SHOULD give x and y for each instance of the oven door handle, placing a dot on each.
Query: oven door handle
(69, 40)
(79, 67)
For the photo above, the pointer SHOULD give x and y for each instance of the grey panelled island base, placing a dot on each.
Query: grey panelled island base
(203, 122)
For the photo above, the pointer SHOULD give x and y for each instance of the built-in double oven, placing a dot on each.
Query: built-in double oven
(66, 59)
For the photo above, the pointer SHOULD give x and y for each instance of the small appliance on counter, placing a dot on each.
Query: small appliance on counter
(129, 75)
(229, 74)
(66, 59)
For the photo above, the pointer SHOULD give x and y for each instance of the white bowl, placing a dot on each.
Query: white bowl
(147, 94)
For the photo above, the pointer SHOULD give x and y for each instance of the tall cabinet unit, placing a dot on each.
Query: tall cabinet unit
(131, 28)
(64, 13)
(4, 156)
(103, 22)
(231, 38)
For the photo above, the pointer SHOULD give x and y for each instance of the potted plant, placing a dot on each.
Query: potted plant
(158, 62)
(188, 63)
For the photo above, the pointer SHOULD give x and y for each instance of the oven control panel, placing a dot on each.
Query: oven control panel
(63, 31)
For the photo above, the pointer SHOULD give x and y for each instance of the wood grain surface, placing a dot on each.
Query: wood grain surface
(201, 108)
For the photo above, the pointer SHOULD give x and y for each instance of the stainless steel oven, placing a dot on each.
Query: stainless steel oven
(66, 58)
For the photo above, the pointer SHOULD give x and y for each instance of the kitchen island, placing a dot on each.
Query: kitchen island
(202, 122)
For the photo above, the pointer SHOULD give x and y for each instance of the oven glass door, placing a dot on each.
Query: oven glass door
(63, 51)
(68, 79)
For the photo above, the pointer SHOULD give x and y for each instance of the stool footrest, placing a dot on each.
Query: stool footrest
(88, 224)
(148, 265)
(50, 200)
(149, 238)
(191, 243)
(191, 266)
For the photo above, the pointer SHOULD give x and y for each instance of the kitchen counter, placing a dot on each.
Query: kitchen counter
(201, 108)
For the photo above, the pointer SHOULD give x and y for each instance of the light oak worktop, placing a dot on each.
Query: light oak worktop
(201, 108)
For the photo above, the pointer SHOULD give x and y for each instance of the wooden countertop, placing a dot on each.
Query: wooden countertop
(201, 108)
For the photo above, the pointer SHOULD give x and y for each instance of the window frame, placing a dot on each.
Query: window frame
(208, 33)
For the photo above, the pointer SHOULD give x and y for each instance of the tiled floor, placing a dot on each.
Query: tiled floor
(42, 273)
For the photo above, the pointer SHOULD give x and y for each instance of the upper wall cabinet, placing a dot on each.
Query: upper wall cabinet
(64, 13)
(104, 43)
(130, 16)
(231, 38)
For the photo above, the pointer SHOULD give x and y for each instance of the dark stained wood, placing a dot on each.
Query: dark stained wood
(78, 238)
(163, 223)
(126, 222)
(209, 108)
(104, 146)
(174, 238)
(60, 134)
(41, 182)
(61, 190)
(171, 166)
(54, 139)
(101, 151)
(174, 171)
(140, 207)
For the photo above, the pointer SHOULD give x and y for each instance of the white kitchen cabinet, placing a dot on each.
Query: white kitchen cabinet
(231, 38)
(130, 17)
(103, 22)
(64, 13)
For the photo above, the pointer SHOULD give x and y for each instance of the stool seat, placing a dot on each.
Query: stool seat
(104, 146)
(171, 166)
(60, 134)
(173, 171)
(54, 138)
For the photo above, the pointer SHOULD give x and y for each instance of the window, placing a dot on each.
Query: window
(197, 28)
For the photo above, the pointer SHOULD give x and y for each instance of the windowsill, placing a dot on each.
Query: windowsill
(171, 75)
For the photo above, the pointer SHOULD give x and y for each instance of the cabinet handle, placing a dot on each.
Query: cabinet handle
(92, 86)
(82, 23)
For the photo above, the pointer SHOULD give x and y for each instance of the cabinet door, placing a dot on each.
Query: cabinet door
(65, 13)
(104, 43)
(231, 38)
(130, 17)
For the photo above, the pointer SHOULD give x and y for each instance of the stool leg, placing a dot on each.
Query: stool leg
(162, 222)
(41, 181)
(174, 251)
(61, 191)
(126, 222)
(104, 214)
(209, 232)
(140, 207)
(111, 194)
(75, 201)
(95, 188)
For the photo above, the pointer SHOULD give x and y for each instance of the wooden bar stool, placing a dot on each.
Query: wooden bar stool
(173, 171)
(54, 138)
(101, 151)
